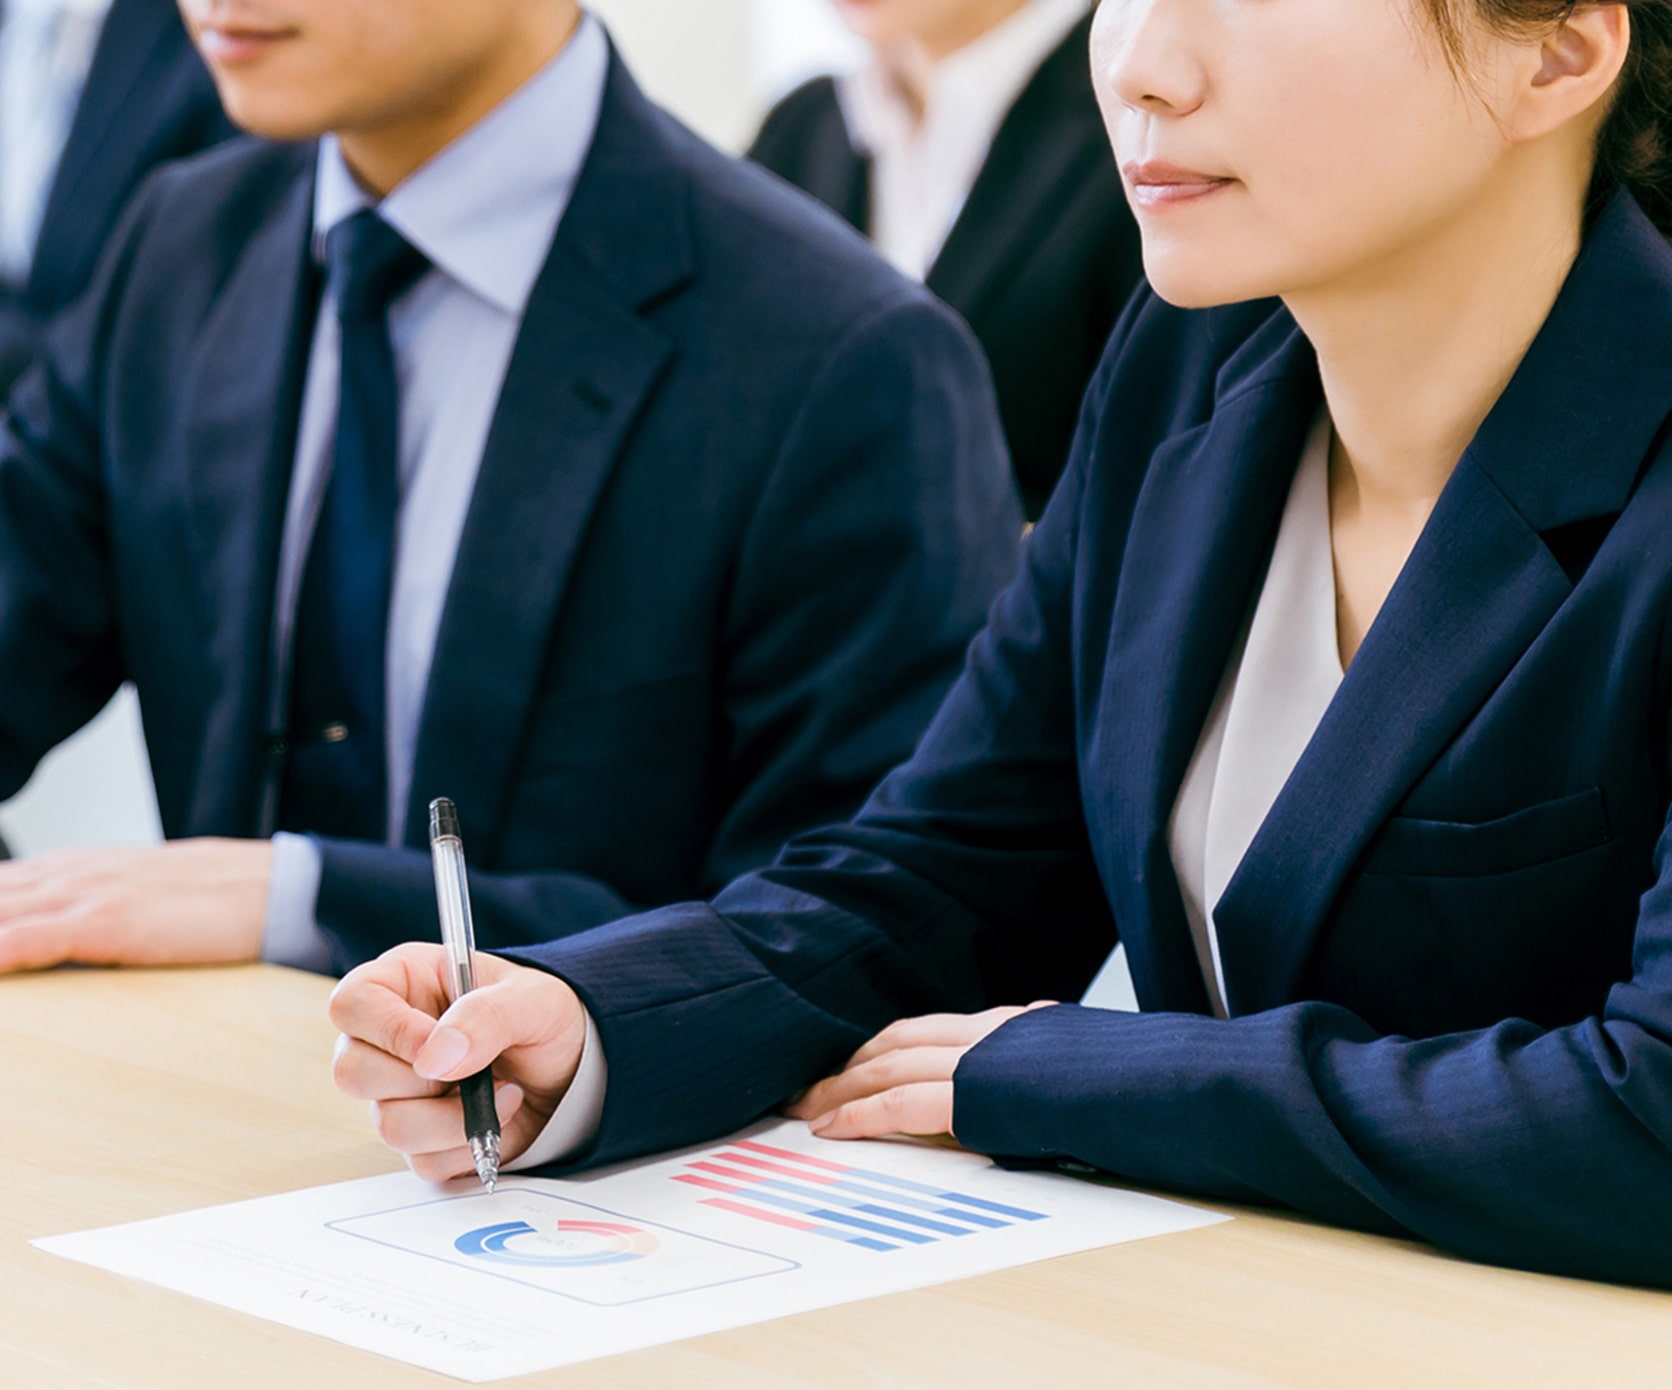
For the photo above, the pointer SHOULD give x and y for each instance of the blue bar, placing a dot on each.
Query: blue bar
(894, 1214)
(917, 1203)
(849, 1238)
(892, 1232)
(957, 1197)
(997, 1207)
(992, 1223)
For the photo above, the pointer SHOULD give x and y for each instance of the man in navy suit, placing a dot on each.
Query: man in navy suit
(93, 95)
(507, 444)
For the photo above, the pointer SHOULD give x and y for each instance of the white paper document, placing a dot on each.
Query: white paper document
(548, 1272)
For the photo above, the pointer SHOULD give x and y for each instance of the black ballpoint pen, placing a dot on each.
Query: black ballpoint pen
(458, 934)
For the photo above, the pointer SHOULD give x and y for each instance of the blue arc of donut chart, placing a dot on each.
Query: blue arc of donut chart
(594, 1243)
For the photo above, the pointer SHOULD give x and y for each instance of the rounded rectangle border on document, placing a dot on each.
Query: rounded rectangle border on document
(545, 1241)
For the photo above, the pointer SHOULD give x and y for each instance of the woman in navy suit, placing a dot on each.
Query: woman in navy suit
(1337, 686)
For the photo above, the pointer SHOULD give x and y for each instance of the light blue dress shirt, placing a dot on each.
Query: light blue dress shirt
(485, 211)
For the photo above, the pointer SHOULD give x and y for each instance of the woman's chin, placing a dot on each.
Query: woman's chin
(1202, 282)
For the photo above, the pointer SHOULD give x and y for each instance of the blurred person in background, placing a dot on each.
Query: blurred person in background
(93, 95)
(970, 150)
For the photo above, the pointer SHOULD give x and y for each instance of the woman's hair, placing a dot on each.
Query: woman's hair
(1634, 147)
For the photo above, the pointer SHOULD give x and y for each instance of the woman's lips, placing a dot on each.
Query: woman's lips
(1156, 185)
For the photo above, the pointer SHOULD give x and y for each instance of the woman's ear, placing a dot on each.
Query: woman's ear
(1577, 66)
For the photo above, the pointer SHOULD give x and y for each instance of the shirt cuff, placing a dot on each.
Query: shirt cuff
(292, 935)
(574, 1124)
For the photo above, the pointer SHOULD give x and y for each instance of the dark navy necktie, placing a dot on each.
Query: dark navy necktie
(336, 774)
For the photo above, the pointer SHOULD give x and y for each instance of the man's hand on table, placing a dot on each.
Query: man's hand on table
(191, 902)
(403, 1049)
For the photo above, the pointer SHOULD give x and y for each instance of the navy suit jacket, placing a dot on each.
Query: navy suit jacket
(743, 504)
(1448, 950)
(148, 98)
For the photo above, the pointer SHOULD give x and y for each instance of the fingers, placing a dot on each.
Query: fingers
(395, 1053)
(529, 1020)
(920, 1108)
(442, 1167)
(415, 1128)
(473, 1033)
(885, 1073)
(364, 1072)
(391, 1003)
(893, 1069)
(38, 943)
(937, 1030)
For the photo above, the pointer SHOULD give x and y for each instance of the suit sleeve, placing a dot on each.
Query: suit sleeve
(884, 530)
(59, 645)
(934, 897)
(20, 337)
(1550, 1150)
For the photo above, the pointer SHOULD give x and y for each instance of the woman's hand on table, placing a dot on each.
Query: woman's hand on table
(901, 1081)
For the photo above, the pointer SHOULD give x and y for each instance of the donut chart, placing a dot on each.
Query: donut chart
(576, 1244)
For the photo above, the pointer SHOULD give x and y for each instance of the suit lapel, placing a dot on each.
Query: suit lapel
(832, 170)
(242, 406)
(1563, 445)
(585, 362)
(1045, 146)
(101, 149)
(1198, 543)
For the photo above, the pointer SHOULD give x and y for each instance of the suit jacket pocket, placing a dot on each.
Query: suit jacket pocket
(1538, 834)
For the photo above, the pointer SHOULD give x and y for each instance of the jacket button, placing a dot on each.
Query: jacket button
(334, 733)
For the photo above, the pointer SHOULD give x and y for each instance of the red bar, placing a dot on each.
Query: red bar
(775, 1217)
(735, 1174)
(705, 1182)
(783, 1168)
(793, 1157)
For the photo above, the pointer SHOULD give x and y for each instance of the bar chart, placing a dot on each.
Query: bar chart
(860, 1207)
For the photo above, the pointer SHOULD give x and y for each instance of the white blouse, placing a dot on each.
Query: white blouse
(923, 169)
(1269, 705)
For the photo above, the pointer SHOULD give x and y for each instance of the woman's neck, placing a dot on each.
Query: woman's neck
(1415, 352)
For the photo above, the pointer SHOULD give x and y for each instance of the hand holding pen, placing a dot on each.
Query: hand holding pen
(458, 936)
(413, 1024)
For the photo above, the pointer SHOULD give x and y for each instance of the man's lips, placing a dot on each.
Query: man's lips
(229, 44)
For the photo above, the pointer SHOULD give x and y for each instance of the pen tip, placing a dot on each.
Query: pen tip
(484, 1152)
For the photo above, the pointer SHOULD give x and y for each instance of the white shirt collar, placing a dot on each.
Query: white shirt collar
(974, 87)
(485, 209)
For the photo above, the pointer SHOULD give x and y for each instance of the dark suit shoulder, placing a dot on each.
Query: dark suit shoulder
(227, 191)
(797, 121)
(183, 236)
(795, 263)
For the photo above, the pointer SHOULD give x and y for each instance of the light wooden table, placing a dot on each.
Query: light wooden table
(95, 1065)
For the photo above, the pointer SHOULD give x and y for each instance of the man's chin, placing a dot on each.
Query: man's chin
(273, 120)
